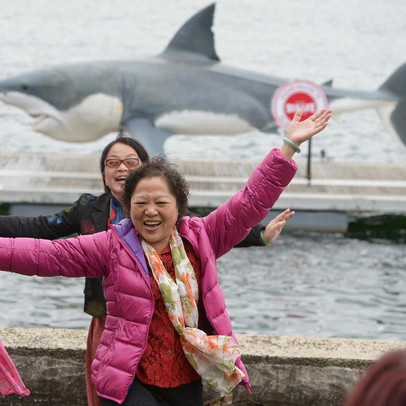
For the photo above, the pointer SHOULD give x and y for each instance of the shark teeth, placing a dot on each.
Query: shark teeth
(39, 118)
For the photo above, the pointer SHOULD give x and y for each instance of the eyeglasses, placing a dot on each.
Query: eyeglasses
(130, 163)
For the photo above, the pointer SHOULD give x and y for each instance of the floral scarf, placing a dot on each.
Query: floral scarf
(213, 357)
(10, 381)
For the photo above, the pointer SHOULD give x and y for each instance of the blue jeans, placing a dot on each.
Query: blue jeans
(141, 394)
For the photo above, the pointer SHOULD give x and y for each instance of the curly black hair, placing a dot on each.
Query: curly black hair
(158, 167)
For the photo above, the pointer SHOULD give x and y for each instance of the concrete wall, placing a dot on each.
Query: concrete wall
(284, 371)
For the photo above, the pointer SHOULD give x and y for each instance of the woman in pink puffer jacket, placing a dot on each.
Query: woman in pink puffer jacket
(167, 327)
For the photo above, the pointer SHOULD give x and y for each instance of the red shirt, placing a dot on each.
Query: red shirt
(163, 363)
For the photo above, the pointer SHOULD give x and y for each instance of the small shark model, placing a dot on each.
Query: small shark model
(183, 90)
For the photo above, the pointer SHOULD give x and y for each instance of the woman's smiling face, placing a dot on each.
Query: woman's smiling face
(154, 211)
(115, 177)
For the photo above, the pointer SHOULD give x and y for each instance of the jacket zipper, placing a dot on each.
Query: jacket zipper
(124, 244)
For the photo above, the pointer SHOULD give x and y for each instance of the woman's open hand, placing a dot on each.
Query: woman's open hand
(275, 226)
(300, 131)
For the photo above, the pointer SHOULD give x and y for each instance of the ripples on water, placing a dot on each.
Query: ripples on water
(307, 284)
(318, 285)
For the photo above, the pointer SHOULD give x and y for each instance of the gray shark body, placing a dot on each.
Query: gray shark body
(183, 90)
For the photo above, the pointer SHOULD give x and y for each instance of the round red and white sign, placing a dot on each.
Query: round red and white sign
(295, 94)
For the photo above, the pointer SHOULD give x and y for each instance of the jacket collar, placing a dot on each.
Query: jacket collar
(127, 234)
(101, 213)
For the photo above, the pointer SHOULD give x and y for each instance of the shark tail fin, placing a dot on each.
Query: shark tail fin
(394, 117)
(195, 37)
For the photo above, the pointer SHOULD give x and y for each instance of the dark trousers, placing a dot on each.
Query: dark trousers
(140, 394)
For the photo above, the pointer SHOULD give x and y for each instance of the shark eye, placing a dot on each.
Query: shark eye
(24, 87)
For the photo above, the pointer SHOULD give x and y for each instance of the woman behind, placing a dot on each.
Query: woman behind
(91, 214)
(384, 383)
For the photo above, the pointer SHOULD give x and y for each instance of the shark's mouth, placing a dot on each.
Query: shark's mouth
(32, 105)
(39, 118)
(90, 119)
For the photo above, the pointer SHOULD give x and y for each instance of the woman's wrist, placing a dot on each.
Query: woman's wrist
(291, 144)
(287, 149)
(261, 235)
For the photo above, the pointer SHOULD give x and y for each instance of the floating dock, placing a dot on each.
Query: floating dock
(41, 180)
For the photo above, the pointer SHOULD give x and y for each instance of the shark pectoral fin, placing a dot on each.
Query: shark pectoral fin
(152, 138)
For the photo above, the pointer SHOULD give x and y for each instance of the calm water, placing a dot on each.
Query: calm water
(305, 284)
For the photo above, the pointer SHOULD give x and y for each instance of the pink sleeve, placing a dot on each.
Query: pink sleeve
(231, 222)
(86, 255)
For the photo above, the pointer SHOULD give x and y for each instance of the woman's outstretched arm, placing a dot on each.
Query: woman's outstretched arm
(86, 255)
(231, 222)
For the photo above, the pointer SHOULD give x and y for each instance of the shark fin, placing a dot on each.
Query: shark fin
(395, 118)
(328, 83)
(152, 138)
(195, 37)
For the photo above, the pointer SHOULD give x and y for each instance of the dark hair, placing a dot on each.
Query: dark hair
(158, 167)
(384, 383)
(134, 144)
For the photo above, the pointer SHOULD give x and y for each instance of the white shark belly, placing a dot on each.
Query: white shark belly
(196, 122)
(96, 116)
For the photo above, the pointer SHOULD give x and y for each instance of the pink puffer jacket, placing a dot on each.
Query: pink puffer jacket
(117, 255)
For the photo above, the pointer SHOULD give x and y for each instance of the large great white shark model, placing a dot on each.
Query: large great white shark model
(183, 90)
